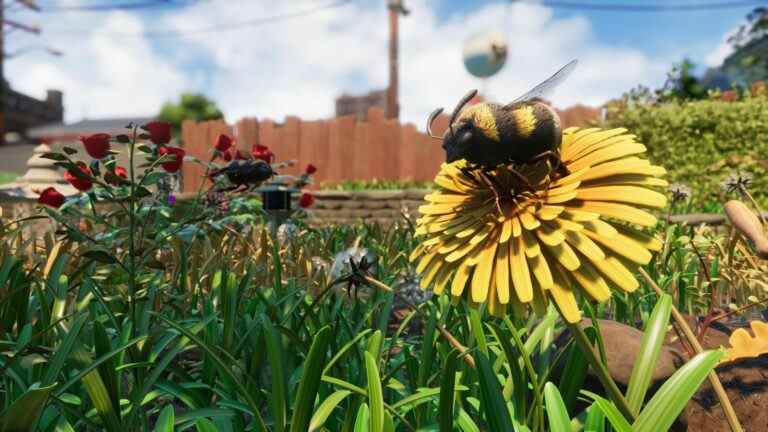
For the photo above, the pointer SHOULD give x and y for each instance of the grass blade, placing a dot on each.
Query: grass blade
(650, 347)
(326, 408)
(492, 400)
(662, 410)
(310, 380)
(558, 417)
(447, 386)
(277, 401)
(617, 421)
(375, 395)
(24, 412)
(165, 421)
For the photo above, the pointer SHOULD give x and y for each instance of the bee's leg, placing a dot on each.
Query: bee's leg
(494, 187)
(558, 167)
(522, 179)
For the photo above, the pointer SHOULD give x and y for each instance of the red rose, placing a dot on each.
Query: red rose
(51, 197)
(306, 200)
(263, 152)
(159, 132)
(311, 169)
(223, 142)
(81, 184)
(227, 155)
(172, 166)
(116, 177)
(96, 145)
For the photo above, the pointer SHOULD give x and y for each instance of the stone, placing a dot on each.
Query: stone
(379, 195)
(622, 345)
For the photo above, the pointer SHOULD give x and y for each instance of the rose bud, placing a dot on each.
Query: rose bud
(223, 142)
(81, 184)
(159, 132)
(172, 166)
(51, 197)
(263, 152)
(227, 155)
(116, 177)
(311, 169)
(306, 200)
(96, 145)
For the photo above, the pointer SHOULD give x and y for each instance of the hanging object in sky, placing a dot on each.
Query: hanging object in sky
(485, 53)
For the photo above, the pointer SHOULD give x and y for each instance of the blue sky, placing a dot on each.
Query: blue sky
(298, 66)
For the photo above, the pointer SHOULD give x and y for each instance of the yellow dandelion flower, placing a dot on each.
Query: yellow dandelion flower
(580, 230)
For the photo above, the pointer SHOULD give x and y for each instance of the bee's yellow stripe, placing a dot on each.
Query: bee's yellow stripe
(483, 118)
(525, 120)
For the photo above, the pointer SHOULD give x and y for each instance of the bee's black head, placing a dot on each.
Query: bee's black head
(457, 141)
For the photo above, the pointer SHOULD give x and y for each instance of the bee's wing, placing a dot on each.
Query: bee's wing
(543, 89)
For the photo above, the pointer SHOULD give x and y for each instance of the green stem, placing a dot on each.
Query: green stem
(602, 372)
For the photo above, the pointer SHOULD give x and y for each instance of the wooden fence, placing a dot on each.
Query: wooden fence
(342, 148)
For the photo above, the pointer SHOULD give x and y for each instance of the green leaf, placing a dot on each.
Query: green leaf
(224, 368)
(558, 417)
(152, 178)
(595, 421)
(69, 150)
(447, 386)
(374, 344)
(326, 408)
(277, 401)
(100, 256)
(166, 420)
(363, 419)
(650, 347)
(205, 425)
(54, 156)
(492, 400)
(23, 413)
(610, 411)
(310, 381)
(662, 410)
(375, 394)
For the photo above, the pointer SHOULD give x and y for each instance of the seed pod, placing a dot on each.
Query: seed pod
(744, 220)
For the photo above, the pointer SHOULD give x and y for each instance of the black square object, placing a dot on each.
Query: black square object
(276, 200)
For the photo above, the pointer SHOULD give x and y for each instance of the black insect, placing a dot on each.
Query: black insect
(245, 174)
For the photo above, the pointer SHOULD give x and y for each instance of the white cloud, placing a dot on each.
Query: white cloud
(99, 75)
(724, 49)
(298, 66)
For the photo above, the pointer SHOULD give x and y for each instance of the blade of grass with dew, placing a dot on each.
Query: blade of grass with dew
(650, 348)
(310, 380)
(670, 400)
(558, 417)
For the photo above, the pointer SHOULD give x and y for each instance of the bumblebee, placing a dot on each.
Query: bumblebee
(245, 173)
(524, 131)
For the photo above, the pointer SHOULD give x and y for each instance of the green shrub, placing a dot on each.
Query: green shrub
(701, 142)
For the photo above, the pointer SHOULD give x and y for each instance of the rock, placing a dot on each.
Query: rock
(622, 345)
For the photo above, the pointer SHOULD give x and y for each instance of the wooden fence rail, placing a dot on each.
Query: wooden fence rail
(342, 148)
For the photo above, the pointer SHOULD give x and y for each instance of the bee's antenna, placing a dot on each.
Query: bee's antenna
(431, 120)
(467, 97)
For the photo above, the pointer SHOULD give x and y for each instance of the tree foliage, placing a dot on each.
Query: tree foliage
(191, 106)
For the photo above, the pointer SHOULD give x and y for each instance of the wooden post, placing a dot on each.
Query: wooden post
(396, 8)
